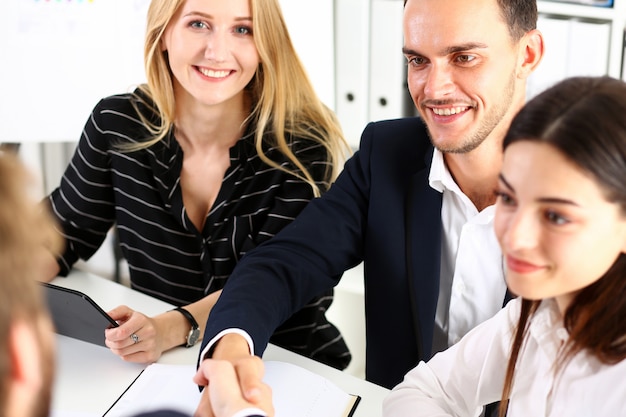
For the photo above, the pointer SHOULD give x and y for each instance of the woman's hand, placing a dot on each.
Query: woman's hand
(143, 339)
(138, 338)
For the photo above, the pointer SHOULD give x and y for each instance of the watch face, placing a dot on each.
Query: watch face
(194, 334)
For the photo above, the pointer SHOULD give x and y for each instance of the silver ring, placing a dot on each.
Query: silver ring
(134, 338)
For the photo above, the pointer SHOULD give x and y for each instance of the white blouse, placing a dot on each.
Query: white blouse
(460, 380)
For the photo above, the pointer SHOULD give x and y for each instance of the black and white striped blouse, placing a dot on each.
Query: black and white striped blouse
(139, 192)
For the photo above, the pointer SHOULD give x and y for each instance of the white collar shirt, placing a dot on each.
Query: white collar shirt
(471, 374)
(472, 286)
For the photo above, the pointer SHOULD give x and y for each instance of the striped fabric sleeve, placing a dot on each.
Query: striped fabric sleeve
(83, 202)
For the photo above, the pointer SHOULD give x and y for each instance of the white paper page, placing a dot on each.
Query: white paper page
(160, 387)
(299, 392)
(296, 392)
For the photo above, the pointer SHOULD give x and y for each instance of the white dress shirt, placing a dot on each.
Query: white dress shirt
(472, 285)
(459, 381)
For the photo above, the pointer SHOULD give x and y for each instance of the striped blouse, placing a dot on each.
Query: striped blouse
(139, 193)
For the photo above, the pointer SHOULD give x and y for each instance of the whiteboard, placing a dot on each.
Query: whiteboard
(59, 57)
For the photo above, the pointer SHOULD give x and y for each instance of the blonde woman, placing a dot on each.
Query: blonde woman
(222, 147)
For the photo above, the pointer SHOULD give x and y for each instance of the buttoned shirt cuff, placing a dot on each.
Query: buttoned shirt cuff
(249, 412)
(208, 350)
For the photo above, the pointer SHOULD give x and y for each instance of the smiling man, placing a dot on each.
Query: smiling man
(415, 203)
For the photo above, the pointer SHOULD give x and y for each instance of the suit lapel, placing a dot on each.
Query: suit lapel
(423, 254)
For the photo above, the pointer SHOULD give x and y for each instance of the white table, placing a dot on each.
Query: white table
(90, 378)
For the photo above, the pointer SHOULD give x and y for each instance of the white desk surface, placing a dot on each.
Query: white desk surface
(90, 378)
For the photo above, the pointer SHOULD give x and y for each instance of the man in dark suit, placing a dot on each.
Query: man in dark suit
(415, 203)
(26, 334)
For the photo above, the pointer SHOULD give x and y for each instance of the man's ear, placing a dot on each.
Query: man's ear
(531, 52)
(24, 351)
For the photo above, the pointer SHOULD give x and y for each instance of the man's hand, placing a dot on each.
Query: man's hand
(224, 396)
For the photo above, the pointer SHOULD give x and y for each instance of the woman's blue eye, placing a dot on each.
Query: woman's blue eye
(197, 24)
(243, 30)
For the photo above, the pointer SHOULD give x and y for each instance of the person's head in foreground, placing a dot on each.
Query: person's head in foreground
(561, 216)
(26, 342)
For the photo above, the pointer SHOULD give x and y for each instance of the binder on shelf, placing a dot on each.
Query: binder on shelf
(588, 48)
(352, 20)
(597, 3)
(387, 64)
(573, 47)
(624, 58)
(553, 66)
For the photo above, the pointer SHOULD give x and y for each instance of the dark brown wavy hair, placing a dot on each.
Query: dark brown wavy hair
(584, 118)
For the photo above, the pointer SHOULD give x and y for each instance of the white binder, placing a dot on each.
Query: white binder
(553, 66)
(588, 48)
(352, 19)
(573, 47)
(624, 58)
(387, 64)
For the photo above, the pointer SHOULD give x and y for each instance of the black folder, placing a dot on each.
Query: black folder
(76, 315)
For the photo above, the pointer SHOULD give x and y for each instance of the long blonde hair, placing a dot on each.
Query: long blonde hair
(285, 103)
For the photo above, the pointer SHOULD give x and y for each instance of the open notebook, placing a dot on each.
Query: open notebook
(296, 392)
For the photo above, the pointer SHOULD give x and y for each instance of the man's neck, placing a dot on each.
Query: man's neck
(476, 173)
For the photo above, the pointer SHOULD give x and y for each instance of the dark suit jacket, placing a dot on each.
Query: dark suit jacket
(382, 211)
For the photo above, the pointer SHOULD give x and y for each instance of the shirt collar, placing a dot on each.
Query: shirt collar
(439, 173)
(547, 327)
(441, 180)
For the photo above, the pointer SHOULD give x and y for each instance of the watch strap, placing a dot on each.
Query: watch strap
(194, 333)
(192, 321)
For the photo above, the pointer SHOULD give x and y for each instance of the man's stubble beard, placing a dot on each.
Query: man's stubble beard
(487, 125)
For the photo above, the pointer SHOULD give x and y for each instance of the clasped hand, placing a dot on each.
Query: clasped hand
(232, 386)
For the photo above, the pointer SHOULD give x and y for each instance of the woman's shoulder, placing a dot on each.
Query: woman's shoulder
(117, 119)
(125, 112)
(129, 103)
